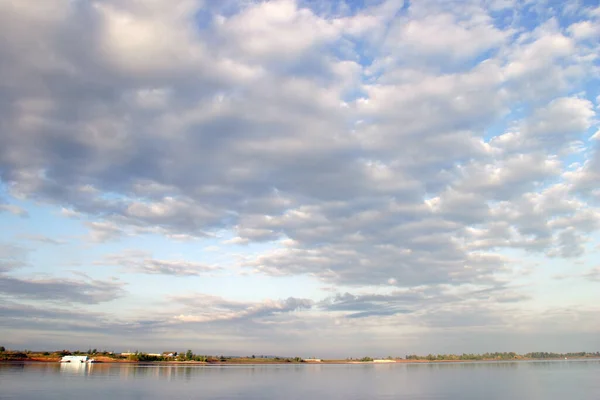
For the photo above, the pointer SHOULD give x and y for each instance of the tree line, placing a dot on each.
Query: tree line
(499, 356)
(189, 355)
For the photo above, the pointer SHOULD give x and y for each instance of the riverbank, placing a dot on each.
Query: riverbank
(108, 360)
(189, 358)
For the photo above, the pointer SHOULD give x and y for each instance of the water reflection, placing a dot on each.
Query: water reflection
(41, 368)
(75, 368)
(186, 372)
(465, 365)
(548, 380)
(251, 372)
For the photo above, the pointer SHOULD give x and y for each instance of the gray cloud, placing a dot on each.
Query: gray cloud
(15, 310)
(426, 302)
(61, 289)
(104, 231)
(260, 324)
(205, 308)
(12, 256)
(400, 256)
(362, 147)
(265, 329)
(225, 162)
(81, 323)
(7, 264)
(373, 305)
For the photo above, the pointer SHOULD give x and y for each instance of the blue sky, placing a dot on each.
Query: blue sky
(327, 179)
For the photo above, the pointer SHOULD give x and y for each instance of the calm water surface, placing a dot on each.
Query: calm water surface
(546, 380)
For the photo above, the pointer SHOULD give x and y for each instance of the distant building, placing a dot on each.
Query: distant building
(387, 360)
(312, 360)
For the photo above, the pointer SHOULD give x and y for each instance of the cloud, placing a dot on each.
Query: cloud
(81, 323)
(43, 239)
(65, 212)
(12, 257)
(372, 305)
(593, 274)
(465, 317)
(444, 37)
(224, 127)
(277, 29)
(206, 308)
(583, 178)
(22, 311)
(143, 263)
(584, 30)
(562, 120)
(427, 149)
(104, 231)
(63, 290)
(16, 210)
(424, 303)
(254, 322)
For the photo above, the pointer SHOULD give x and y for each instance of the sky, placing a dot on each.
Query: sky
(310, 178)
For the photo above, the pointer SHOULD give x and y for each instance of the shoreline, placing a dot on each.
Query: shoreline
(40, 360)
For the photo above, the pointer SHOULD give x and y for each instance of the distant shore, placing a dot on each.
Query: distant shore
(234, 361)
(189, 358)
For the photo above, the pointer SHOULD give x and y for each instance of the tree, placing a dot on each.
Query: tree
(2, 349)
(189, 355)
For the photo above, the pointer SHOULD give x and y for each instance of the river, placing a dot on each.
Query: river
(531, 380)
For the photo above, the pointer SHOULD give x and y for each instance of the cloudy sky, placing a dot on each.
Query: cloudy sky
(300, 177)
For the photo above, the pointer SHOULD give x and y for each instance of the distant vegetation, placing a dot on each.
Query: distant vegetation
(560, 355)
(175, 356)
(190, 356)
(289, 360)
(499, 356)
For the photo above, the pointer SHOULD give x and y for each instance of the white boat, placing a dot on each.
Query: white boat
(74, 359)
